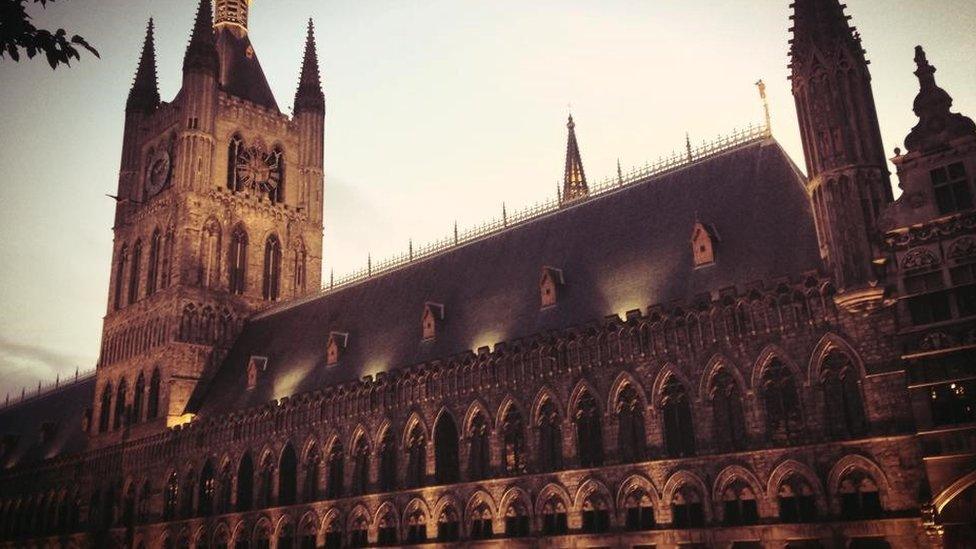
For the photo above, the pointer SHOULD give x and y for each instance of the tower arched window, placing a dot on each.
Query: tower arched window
(842, 396)
(225, 490)
(145, 500)
(266, 483)
(479, 460)
(739, 505)
(122, 262)
(135, 272)
(513, 442)
(446, 450)
(105, 409)
(387, 529)
(272, 268)
(206, 490)
(416, 457)
(687, 509)
(186, 494)
(137, 398)
(167, 260)
(631, 439)
(679, 434)
(388, 462)
(554, 520)
(334, 486)
(276, 175)
(234, 149)
(516, 520)
(358, 537)
(796, 501)
(360, 469)
(859, 497)
(300, 268)
(481, 522)
(152, 269)
(416, 527)
(288, 476)
(245, 484)
(640, 511)
(238, 261)
(171, 497)
(589, 431)
(550, 438)
(448, 525)
(310, 492)
(784, 422)
(728, 420)
(209, 275)
(596, 515)
(120, 397)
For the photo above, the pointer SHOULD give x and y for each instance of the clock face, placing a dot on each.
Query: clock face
(259, 170)
(157, 173)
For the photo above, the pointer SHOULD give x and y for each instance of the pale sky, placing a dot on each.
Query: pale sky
(438, 110)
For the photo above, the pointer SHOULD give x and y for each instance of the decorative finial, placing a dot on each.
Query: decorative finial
(765, 101)
(620, 173)
(688, 146)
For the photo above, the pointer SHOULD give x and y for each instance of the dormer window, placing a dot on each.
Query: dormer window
(255, 366)
(432, 319)
(703, 241)
(550, 285)
(337, 344)
(951, 188)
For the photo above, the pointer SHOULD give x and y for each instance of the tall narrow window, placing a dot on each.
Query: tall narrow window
(288, 476)
(171, 497)
(299, 270)
(513, 442)
(310, 492)
(550, 438)
(272, 268)
(152, 403)
(186, 495)
(209, 275)
(446, 450)
(225, 489)
(479, 461)
(238, 261)
(630, 425)
(842, 396)
(122, 262)
(334, 487)
(137, 398)
(360, 469)
(105, 409)
(167, 261)
(784, 422)
(951, 187)
(135, 272)
(728, 421)
(233, 151)
(245, 484)
(152, 271)
(276, 175)
(206, 491)
(120, 397)
(679, 434)
(416, 458)
(388, 462)
(589, 431)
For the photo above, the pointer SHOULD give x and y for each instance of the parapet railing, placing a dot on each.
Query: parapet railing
(27, 395)
(690, 155)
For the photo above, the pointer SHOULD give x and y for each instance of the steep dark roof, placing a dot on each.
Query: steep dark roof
(623, 250)
(63, 409)
(240, 71)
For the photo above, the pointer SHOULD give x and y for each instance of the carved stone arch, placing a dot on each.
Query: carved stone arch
(477, 405)
(477, 498)
(310, 517)
(513, 494)
(678, 479)
(950, 493)
(221, 528)
(625, 378)
(544, 394)
(732, 473)
(358, 432)
(828, 343)
(855, 462)
(284, 520)
(199, 535)
(311, 445)
(590, 486)
(446, 410)
(507, 403)
(766, 356)
(641, 482)
(549, 490)
(447, 498)
(666, 372)
(411, 506)
(920, 258)
(584, 385)
(357, 511)
(387, 508)
(413, 420)
(717, 363)
(791, 467)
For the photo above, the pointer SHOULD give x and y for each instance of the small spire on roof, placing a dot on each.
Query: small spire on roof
(201, 54)
(309, 96)
(765, 101)
(620, 173)
(574, 180)
(688, 146)
(144, 94)
(937, 123)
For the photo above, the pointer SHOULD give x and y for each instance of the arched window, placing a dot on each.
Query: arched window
(687, 510)
(105, 409)
(245, 484)
(679, 433)
(209, 275)
(631, 439)
(481, 524)
(300, 267)
(286, 536)
(206, 491)
(739, 505)
(554, 522)
(596, 515)
(310, 491)
(784, 422)
(122, 262)
(142, 509)
(233, 150)
(448, 525)
(388, 462)
(238, 261)
(171, 497)
(120, 397)
(358, 537)
(416, 458)
(728, 421)
(416, 527)
(262, 536)
(513, 442)
(445, 450)
(288, 476)
(167, 261)
(155, 250)
(336, 471)
(516, 520)
(842, 396)
(135, 272)
(360, 469)
(640, 511)
(186, 494)
(387, 527)
(266, 483)
(796, 501)
(225, 489)
(276, 175)
(479, 460)
(859, 497)
(152, 403)
(589, 431)
(137, 398)
(272, 268)
(550, 438)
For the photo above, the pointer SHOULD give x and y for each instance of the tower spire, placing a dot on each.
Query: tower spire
(574, 180)
(232, 12)
(309, 96)
(937, 125)
(144, 94)
(201, 53)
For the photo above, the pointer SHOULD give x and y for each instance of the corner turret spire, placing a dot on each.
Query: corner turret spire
(936, 124)
(201, 54)
(144, 94)
(574, 181)
(309, 96)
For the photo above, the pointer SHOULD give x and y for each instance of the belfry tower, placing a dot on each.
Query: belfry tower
(848, 175)
(219, 214)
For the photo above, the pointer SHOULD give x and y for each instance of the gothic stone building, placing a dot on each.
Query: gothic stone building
(720, 353)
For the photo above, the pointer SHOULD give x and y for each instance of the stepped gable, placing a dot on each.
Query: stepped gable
(619, 251)
(62, 408)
